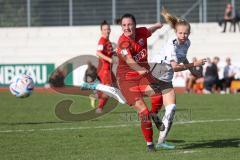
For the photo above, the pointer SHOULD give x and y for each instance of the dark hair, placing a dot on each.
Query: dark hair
(103, 23)
(128, 15)
(118, 21)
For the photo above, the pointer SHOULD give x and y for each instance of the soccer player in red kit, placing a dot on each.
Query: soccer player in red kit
(104, 52)
(132, 72)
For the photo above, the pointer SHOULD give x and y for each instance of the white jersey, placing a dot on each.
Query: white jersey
(229, 70)
(172, 51)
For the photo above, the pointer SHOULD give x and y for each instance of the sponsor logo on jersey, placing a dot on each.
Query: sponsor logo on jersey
(141, 55)
(124, 52)
(141, 42)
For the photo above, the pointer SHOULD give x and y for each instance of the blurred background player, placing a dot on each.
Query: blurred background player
(174, 59)
(57, 78)
(228, 76)
(132, 71)
(211, 78)
(105, 53)
(191, 80)
(90, 80)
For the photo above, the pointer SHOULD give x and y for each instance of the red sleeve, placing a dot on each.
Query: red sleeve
(101, 44)
(144, 31)
(123, 48)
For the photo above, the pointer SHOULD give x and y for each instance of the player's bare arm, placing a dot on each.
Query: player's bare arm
(106, 58)
(155, 27)
(185, 66)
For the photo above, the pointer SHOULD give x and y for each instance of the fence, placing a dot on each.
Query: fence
(91, 12)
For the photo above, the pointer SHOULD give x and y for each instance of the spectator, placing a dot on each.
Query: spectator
(228, 16)
(211, 79)
(191, 79)
(236, 20)
(228, 76)
(57, 78)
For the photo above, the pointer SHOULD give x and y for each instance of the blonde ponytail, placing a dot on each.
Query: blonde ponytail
(170, 19)
(173, 21)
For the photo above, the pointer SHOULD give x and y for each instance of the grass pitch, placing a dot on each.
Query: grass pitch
(207, 127)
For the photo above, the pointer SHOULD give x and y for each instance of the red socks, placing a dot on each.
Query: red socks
(102, 102)
(146, 125)
(157, 103)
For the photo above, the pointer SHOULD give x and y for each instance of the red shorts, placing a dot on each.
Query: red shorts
(134, 89)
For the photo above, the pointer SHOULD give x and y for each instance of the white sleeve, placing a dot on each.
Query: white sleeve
(233, 70)
(170, 52)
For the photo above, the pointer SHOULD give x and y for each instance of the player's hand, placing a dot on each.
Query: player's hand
(200, 62)
(143, 71)
(110, 60)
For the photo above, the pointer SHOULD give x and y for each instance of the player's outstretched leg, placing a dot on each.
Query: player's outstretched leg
(91, 86)
(111, 92)
(167, 121)
(108, 90)
(157, 121)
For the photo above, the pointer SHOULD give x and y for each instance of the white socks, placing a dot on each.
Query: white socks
(167, 121)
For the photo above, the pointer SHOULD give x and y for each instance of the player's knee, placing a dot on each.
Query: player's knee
(144, 114)
(139, 105)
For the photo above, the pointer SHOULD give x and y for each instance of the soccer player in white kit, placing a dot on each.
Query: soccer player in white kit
(174, 59)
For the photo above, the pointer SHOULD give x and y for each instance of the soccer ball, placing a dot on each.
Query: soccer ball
(21, 86)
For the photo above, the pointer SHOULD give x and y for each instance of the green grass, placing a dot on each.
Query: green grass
(27, 121)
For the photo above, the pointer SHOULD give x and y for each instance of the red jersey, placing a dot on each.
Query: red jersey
(136, 48)
(105, 47)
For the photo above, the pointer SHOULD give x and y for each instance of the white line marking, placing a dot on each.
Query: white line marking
(114, 126)
(183, 151)
(208, 121)
(188, 152)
